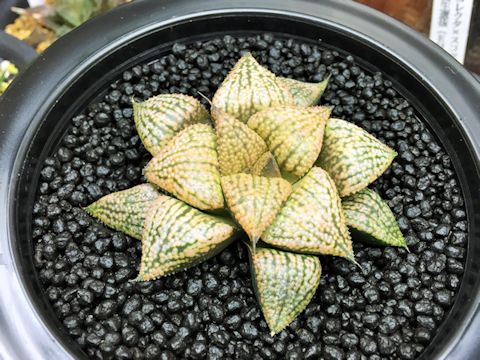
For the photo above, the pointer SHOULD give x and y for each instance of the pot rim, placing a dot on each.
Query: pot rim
(28, 101)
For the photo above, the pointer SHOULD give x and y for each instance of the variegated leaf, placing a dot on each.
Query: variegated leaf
(366, 212)
(161, 117)
(177, 236)
(239, 147)
(187, 167)
(293, 134)
(266, 166)
(304, 93)
(352, 157)
(254, 200)
(311, 220)
(284, 283)
(249, 88)
(125, 210)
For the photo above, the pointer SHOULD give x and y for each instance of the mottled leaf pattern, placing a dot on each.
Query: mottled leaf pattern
(248, 88)
(304, 93)
(266, 166)
(187, 167)
(352, 156)
(254, 200)
(161, 117)
(365, 211)
(284, 284)
(293, 134)
(311, 220)
(239, 147)
(125, 210)
(177, 236)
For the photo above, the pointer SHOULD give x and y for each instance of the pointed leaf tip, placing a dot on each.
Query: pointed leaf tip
(177, 236)
(239, 147)
(366, 212)
(125, 210)
(304, 93)
(284, 284)
(311, 220)
(161, 117)
(254, 200)
(293, 134)
(187, 167)
(249, 88)
(266, 166)
(352, 157)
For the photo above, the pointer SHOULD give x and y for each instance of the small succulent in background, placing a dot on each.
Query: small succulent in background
(268, 161)
(8, 71)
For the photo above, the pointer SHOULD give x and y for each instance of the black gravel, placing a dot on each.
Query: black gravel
(390, 310)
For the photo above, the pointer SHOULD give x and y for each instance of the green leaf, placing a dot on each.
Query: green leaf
(239, 147)
(266, 166)
(284, 284)
(125, 210)
(304, 93)
(352, 157)
(293, 134)
(177, 236)
(161, 117)
(249, 88)
(74, 12)
(187, 167)
(254, 200)
(311, 220)
(366, 212)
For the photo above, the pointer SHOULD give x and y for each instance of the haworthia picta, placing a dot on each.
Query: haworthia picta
(311, 220)
(125, 210)
(284, 283)
(352, 157)
(187, 167)
(304, 93)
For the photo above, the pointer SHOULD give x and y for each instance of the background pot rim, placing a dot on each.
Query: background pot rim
(28, 100)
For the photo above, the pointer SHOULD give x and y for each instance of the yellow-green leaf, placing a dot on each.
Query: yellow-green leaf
(367, 213)
(304, 93)
(254, 200)
(266, 166)
(293, 134)
(249, 88)
(352, 157)
(311, 220)
(125, 210)
(187, 167)
(239, 147)
(284, 283)
(177, 236)
(161, 117)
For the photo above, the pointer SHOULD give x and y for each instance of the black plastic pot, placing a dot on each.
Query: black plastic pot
(16, 51)
(35, 111)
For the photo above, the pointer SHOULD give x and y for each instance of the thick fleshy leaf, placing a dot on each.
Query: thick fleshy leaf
(187, 167)
(284, 283)
(249, 88)
(125, 210)
(304, 93)
(254, 200)
(266, 166)
(293, 134)
(239, 147)
(366, 212)
(311, 220)
(177, 236)
(161, 117)
(352, 157)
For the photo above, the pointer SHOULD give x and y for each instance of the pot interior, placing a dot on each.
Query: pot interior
(93, 84)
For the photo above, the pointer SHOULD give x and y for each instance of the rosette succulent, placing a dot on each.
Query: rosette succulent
(268, 162)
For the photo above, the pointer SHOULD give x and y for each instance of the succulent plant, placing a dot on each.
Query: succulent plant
(267, 161)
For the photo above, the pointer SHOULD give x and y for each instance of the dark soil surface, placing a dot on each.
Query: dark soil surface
(390, 310)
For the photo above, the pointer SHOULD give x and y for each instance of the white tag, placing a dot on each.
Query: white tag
(450, 25)
(34, 3)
